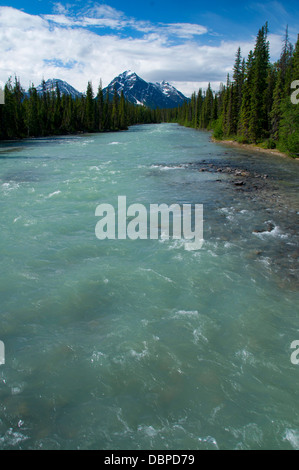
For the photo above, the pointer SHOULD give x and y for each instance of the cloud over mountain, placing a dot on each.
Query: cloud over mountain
(99, 41)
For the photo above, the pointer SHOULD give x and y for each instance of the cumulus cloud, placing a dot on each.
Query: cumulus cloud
(71, 47)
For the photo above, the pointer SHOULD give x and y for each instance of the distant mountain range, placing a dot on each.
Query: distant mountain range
(135, 89)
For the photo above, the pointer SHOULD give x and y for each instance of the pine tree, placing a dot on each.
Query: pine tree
(89, 113)
(207, 108)
(115, 111)
(18, 95)
(295, 62)
(57, 115)
(100, 107)
(238, 78)
(275, 114)
(8, 111)
(286, 59)
(199, 104)
(258, 108)
(33, 125)
(122, 113)
(44, 111)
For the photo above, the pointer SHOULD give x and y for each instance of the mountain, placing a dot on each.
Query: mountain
(135, 89)
(64, 87)
(138, 91)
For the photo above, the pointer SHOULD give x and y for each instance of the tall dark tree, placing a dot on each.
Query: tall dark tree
(33, 124)
(89, 114)
(258, 108)
(100, 106)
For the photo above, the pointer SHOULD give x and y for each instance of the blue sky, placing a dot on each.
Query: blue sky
(188, 43)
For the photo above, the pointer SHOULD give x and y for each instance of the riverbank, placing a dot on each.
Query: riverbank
(254, 147)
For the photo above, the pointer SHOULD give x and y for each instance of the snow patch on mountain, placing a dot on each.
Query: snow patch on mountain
(138, 91)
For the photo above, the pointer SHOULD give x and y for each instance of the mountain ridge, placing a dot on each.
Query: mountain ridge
(135, 89)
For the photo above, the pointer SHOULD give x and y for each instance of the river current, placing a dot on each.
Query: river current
(142, 344)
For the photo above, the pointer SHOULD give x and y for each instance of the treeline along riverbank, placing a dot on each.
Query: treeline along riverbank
(52, 113)
(255, 106)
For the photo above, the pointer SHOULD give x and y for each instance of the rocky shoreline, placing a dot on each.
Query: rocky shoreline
(243, 179)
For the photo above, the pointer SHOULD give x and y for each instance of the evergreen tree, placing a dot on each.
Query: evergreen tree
(100, 106)
(258, 109)
(8, 114)
(243, 126)
(275, 114)
(295, 63)
(122, 113)
(115, 111)
(18, 96)
(89, 112)
(33, 126)
(57, 115)
(238, 78)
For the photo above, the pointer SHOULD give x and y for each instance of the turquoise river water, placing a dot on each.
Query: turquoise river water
(123, 344)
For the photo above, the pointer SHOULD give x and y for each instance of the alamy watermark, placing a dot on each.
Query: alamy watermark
(295, 94)
(179, 222)
(2, 353)
(2, 96)
(295, 354)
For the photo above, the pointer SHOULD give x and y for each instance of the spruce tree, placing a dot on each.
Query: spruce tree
(33, 124)
(89, 113)
(100, 107)
(275, 113)
(243, 125)
(122, 113)
(258, 108)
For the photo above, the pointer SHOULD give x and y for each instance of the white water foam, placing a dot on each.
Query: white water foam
(53, 194)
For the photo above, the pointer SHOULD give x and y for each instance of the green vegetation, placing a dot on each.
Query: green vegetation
(49, 113)
(255, 106)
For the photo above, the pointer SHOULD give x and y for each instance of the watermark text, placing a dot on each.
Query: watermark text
(295, 94)
(2, 96)
(179, 222)
(295, 354)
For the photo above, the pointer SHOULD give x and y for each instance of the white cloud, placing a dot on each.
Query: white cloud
(62, 20)
(105, 11)
(62, 46)
(185, 30)
(60, 9)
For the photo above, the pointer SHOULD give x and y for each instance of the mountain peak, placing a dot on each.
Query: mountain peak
(138, 91)
(64, 87)
(128, 74)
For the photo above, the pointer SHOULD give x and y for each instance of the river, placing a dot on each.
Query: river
(123, 344)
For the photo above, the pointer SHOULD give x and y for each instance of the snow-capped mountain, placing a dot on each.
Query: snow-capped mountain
(135, 89)
(138, 91)
(64, 87)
